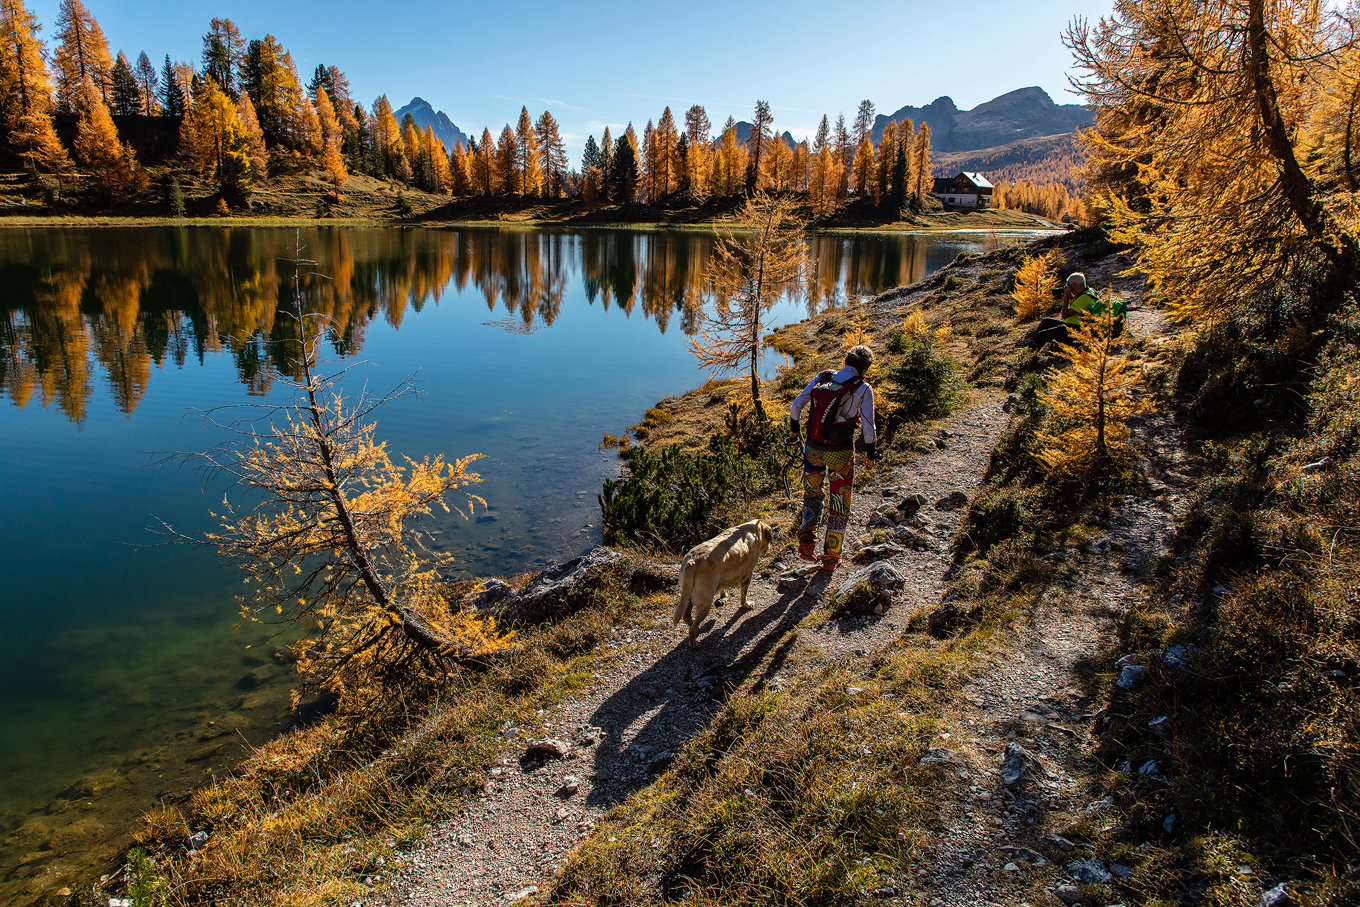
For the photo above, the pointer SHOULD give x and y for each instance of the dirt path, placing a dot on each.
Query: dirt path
(658, 694)
(511, 839)
(1002, 843)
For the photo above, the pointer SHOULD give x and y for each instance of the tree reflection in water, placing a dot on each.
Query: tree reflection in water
(81, 305)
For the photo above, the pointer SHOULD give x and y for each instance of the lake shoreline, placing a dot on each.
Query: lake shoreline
(991, 221)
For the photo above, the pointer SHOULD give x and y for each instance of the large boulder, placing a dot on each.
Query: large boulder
(564, 589)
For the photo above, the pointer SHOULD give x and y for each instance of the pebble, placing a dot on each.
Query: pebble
(1089, 872)
(1018, 764)
(1276, 897)
(571, 784)
(547, 748)
(1130, 676)
(1068, 894)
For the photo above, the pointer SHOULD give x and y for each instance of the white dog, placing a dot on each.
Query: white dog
(723, 562)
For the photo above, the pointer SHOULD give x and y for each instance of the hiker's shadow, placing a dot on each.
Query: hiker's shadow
(677, 695)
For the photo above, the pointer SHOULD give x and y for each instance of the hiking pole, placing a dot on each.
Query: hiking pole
(794, 457)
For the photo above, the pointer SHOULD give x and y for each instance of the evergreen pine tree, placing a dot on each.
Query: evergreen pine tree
(176, 197)
(590, 158)
(147, 80)
(172, 96)
(125, 97)
(625, 172)
(899, 180)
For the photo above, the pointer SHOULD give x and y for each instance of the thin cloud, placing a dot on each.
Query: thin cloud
(555, 103)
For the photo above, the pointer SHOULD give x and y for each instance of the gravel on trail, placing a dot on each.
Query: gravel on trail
(510, 838)
(514, 835)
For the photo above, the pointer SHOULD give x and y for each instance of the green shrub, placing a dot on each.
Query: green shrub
(674, 499)
(922, 383)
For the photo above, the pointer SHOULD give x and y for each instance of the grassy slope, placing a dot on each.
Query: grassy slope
(292, 198)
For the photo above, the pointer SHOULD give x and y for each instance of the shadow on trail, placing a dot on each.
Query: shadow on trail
(681, 692)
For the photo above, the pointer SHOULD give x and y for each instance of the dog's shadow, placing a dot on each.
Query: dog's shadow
(678, 694)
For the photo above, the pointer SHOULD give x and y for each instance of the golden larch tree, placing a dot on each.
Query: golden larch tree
(887, 154)
(666, 137)
(97, 146)
(528, 162)
(486, 171)
(25, 92)
(1035, 281)
(918, 162)
(81, 53)
(866, 168)
(252, 138)
(700, 157)
(762, 257)
(779, 165)
(217, 128)
(1089, 403)
(439, 162)
(460, 167)
(730, 161)
(332, 163)
(553, 152)
(336, 545)
(1209, 147)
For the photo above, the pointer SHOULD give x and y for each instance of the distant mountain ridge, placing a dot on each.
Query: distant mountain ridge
(425, 115)
(1020, 114)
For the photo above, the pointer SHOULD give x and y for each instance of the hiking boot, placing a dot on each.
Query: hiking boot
(807, 551)
(830, 562)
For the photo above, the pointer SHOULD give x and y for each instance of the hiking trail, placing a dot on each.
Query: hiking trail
(507, 842)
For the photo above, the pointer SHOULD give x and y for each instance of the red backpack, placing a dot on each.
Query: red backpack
(827, 396)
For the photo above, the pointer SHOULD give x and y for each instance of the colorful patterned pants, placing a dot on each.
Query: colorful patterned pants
(816, 464)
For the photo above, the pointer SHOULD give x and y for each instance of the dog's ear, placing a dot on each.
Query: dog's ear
(766, 535)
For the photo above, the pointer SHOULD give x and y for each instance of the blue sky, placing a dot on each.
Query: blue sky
(604, 63)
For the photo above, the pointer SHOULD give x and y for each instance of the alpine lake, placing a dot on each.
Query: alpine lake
(127, 673)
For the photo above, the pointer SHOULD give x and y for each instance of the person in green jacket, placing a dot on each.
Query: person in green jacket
(1077, 299)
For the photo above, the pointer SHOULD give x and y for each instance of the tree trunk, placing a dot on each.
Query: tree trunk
(755, 385)
(411, 625)
(1336, 244)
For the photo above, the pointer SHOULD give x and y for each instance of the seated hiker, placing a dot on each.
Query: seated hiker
(836, 403)
(1079, 301)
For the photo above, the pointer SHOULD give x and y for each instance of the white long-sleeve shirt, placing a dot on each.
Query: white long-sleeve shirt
(860, 403)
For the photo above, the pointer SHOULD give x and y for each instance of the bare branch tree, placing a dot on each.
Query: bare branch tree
(334, 544)
(759, 258)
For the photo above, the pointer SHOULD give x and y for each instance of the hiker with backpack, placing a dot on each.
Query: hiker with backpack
(1079, 300)
(836, 404)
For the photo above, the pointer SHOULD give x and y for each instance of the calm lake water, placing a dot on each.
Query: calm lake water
(115, 651)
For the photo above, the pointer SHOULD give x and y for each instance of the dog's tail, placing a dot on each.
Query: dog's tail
(682, 605)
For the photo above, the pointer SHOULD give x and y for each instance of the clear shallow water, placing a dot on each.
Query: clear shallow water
(528, 345)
